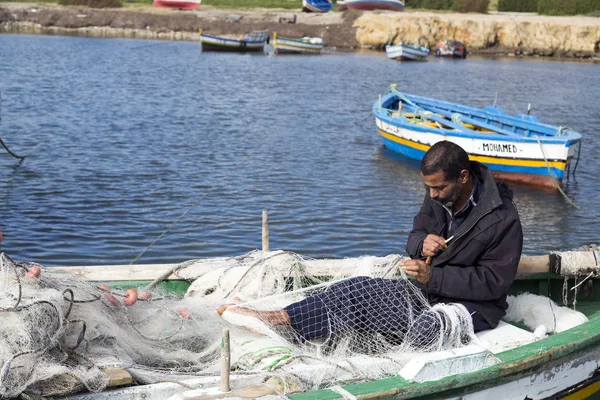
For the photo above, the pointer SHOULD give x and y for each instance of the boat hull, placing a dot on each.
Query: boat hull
(180, 4)
(375, 5)
(292, 46)
(315, 6)
(533, 159)
(215, 43)
(402, 52)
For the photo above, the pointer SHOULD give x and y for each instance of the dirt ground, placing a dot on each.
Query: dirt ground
(335, 28)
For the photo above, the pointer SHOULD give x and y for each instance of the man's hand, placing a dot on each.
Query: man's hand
(417, 268)
(432, 245)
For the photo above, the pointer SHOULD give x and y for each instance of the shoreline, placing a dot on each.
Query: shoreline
(488, 35)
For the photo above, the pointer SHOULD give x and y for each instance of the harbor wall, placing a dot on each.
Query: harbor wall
(511, 33)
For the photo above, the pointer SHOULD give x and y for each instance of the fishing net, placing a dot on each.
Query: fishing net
(353, 319)
(350, 319)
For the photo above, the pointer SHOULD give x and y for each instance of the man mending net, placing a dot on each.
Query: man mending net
(465, 247)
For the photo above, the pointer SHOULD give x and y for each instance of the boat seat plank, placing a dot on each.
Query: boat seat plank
(505, 337)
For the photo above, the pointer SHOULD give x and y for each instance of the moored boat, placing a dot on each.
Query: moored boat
(254, 41)
(406, 52)
(305, 45)
(516, 360)
(451, 48)
(516, 148)
(390, 5)
(317, 6)
(341, 5)
(181, 4)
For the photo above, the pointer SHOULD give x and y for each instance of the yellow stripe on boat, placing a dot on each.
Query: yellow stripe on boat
(484, 159)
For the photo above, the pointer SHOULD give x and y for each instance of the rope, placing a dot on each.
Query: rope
(10, 152)
(556, 183)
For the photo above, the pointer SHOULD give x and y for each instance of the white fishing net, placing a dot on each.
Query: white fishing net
(353, 319)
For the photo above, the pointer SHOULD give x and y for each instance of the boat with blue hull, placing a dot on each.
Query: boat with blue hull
(317, 6)
(516, 148)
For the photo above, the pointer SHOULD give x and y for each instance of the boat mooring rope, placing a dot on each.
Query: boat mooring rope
(554, 180)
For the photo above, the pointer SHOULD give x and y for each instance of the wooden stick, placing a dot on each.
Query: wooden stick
(265, 231)
(225, 361)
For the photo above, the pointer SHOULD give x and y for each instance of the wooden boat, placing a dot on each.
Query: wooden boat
(390, 5)
(451, 48)
(516, 148)
(510, 362)
(181, 4)
(253, 42)
(317, 6)
(406, 52)
(305, 45)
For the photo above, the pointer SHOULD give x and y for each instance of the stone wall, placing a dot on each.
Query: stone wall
(526, 34)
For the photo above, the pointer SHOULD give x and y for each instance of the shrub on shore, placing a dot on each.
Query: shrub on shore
(462, 6)
(92, 3)
(551, 7)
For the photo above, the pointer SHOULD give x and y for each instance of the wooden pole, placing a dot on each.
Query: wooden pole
(265, 231)
(225, 361)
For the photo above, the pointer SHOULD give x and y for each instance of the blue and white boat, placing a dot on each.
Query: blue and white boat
(516, 148)
(406, 52)
(318, 6)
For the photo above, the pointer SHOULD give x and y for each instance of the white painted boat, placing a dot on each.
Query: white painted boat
(508, 362)
(406, 52)
(305, 45)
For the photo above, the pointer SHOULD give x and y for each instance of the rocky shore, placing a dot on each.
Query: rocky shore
(500, 33)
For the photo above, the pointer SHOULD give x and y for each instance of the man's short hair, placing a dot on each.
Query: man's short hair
(447, 157)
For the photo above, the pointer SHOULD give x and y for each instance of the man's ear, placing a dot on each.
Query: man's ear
(464, 176)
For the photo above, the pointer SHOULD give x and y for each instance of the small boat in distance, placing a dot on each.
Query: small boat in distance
(305, 45)
(317, 6)
(341, 5)
(516, 148)
(390, 5)
(451, 48)
(181, 4)
(253, 41)
(406, 52)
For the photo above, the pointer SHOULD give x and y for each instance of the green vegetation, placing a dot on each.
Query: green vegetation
(92, 3)
(552, 7)
(462, 6)
(288, 4)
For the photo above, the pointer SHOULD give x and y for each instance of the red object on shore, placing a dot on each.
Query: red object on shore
(131, 296)
(181, 4)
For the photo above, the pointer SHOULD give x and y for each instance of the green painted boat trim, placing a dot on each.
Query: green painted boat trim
(176, 287)
(514, 361)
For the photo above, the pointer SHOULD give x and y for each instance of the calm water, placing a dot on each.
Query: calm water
(125, 136)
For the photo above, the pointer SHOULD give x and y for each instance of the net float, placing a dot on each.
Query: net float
(104, 287)
(34, 272)
(131, 296)
(185, 313)
(144, 295)
(109, 298)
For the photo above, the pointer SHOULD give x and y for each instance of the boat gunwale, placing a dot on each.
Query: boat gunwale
(570, 137)
(236, 41)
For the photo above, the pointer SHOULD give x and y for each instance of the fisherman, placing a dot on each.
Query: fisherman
(465, 247)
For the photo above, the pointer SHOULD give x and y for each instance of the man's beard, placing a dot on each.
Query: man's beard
(450, 200)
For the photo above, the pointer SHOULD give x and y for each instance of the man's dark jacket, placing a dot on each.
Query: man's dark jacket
(481, 261)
